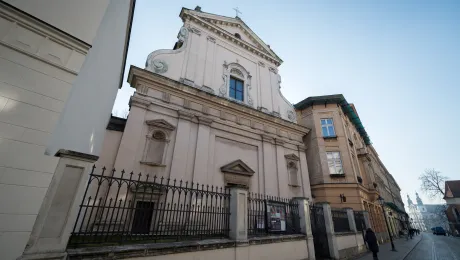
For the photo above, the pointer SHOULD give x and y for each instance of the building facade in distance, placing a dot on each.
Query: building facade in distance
(452, 198)
(345, 169)
(415, 216)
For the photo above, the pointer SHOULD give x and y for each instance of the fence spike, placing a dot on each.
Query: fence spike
(103, 170)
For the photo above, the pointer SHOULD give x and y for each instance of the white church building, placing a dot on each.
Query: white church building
(210, 111)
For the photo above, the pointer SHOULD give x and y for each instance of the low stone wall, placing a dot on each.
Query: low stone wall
(292, 247)
(350, 244)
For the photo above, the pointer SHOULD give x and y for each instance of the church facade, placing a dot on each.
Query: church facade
(210, 111)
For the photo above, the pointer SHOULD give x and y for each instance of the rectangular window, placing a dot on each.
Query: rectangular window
(334, 162)
(327, 126)
(236, 89)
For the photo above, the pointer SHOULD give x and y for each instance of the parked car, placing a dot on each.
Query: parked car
(438, 231)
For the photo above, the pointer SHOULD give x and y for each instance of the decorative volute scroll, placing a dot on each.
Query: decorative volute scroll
(237, 173)
(238, 71)
(160, 65)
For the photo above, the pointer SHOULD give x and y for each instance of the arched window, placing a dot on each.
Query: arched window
(292, 162)
(237, 35)
(156, 148)
(156, 143)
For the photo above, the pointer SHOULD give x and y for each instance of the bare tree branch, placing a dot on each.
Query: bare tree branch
(432, 183)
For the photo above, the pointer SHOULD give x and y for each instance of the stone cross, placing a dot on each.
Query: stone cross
(237, 11)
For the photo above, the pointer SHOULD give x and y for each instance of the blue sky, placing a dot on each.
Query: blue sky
(397, 61)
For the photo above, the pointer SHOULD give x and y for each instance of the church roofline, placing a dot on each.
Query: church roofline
(267, 51)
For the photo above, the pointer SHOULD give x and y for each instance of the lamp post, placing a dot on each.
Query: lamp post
(381, 202)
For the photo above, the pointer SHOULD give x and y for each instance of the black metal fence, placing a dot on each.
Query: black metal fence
(340, 219)
(272, 215)
(127, 208)
(359, 220)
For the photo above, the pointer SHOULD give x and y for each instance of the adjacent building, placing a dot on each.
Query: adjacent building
(345, 169)
(43, 46)
(452, 198)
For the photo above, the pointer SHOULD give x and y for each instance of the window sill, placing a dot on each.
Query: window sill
(152, 164)
(330, 137)
(294, 185)
(337, 175)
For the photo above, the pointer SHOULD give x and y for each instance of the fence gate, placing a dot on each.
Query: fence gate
(318, 227)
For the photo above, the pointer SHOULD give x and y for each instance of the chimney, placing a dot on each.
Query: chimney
(198, 8)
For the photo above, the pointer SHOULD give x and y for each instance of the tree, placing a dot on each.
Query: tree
(432, 183)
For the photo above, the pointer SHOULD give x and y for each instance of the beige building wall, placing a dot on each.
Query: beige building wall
(358, 159)
(291, 250)
(40, 58)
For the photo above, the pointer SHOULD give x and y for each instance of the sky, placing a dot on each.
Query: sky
(397, 61)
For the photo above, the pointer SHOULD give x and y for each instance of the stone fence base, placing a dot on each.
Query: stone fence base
(289, 247)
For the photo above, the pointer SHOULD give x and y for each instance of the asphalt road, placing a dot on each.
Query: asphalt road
(433, 247)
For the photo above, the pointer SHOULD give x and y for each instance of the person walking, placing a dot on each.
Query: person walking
(371, 241)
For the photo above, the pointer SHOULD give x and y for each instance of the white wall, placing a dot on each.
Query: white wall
(80, 18)
(38, 65)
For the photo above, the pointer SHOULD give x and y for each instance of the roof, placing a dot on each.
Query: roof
(116, 124)
(453, 187)
(348, 109)
(225, 20)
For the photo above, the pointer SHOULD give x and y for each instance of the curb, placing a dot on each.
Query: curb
(408, 253)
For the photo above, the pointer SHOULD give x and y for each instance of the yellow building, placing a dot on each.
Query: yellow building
(344, 168)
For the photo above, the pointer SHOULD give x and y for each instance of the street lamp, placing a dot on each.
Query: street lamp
(381, 202)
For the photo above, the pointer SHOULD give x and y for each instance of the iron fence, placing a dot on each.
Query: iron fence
(128, 208)
(272, 215)
(340, 219)
(359, 220)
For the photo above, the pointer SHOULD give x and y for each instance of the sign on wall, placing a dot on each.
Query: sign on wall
(276, 217)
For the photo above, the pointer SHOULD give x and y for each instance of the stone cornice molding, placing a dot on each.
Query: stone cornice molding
(139, 102)
(164, 84)
(268, 139)
(204, 120)
(223, 33)
(185, 115)
(279, 142)
(37, 39)
(160, 123)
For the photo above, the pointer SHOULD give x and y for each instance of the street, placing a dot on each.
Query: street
(422, 247)
(436, 248)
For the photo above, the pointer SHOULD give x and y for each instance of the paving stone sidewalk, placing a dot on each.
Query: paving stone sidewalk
(402, 246)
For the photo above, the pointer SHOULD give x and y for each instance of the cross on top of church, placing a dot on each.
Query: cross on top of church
(237, 11)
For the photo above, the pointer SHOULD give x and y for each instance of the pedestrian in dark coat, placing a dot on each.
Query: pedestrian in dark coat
(371, 241)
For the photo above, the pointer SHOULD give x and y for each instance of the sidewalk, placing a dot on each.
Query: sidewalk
(402, 246)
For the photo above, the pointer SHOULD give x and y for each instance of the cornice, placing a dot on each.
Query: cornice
(37, 39)
(137, 75)
(223, 33)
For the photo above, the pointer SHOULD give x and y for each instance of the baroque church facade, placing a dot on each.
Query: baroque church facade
(210, 111)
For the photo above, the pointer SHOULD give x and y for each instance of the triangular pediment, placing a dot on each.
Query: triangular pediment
(292, 157)
(160, 123)
(233, 25)
(237, 167)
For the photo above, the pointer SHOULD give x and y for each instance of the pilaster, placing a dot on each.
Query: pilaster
(200, 171)
(181, 145)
